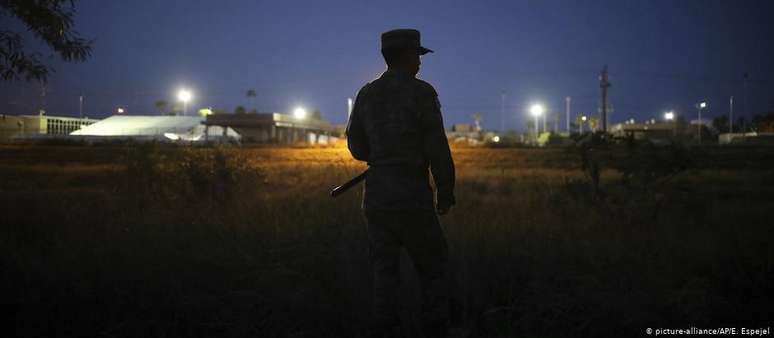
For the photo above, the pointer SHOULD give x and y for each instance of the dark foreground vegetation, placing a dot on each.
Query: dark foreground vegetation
(160, 241)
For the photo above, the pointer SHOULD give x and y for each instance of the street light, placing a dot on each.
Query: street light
(583, 120)
(299, 113)
(184, 95)
(702, 105)
(670, 116)
(120, 110)
(204, 112)
(536, 110)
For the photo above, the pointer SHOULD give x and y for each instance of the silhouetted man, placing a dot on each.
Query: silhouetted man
(396, 126)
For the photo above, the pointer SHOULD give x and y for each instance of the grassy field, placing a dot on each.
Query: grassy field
(160, 241)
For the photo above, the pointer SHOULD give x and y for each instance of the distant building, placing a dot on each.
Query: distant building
(27, 126)
(340, 130)
(162, 128)
(277, 128)
(462, 127)
(468, 134)
(707, 123)
(753, 138)
(651, 130)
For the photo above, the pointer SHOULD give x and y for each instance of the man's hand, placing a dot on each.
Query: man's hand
(444, 204)
(442, 210)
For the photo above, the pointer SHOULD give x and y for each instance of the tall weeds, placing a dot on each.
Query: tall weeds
(153, 240)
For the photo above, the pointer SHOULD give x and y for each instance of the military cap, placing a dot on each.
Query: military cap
(403, 38)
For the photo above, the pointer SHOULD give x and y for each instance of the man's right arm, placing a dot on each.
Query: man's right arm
(357, 141)
(436, 149)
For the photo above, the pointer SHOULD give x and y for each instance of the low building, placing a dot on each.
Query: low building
(30, 126)
(753, 138)
(470, 136)
(276, 128)
(463, 127)
(651, 130)
(162, 128)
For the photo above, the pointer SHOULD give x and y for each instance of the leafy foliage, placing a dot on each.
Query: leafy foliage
(764, 123)
(161, 105)
(644, 164)
(50, 21)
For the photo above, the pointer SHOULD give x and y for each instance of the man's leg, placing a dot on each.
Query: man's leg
(385, 259)
(426, 243)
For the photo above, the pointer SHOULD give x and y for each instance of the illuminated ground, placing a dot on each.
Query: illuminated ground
(126, 241)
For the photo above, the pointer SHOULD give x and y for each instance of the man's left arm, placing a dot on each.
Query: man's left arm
(357, 142)
(436, 149)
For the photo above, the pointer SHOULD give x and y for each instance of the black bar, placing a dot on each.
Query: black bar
(349, 184)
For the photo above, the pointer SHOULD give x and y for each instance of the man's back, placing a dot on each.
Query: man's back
(396, 126)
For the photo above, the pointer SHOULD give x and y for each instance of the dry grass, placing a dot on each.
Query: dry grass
(127, 241)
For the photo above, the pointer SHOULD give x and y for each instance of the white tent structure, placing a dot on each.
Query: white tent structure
(170, 128)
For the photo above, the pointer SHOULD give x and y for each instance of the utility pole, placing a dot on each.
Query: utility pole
(567, 101)
(502, 112)
(700, 106)
(604, 84)
(699, 125)
(731, 115)
(744, 93)
(42, 109)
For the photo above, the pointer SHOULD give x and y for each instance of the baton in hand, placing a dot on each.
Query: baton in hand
(349, 184)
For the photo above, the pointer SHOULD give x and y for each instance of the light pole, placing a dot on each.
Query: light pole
(567, 102)
(536, 110)
(583, 120)
(299, 113)
(502, 112)
(701, 106)
(184, 95)
(731, 115)
(670, 116)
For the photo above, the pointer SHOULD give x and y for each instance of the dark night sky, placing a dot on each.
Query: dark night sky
(661, 54)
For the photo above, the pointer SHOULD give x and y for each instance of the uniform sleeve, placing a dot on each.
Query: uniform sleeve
(356, 136)
(436, 148)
